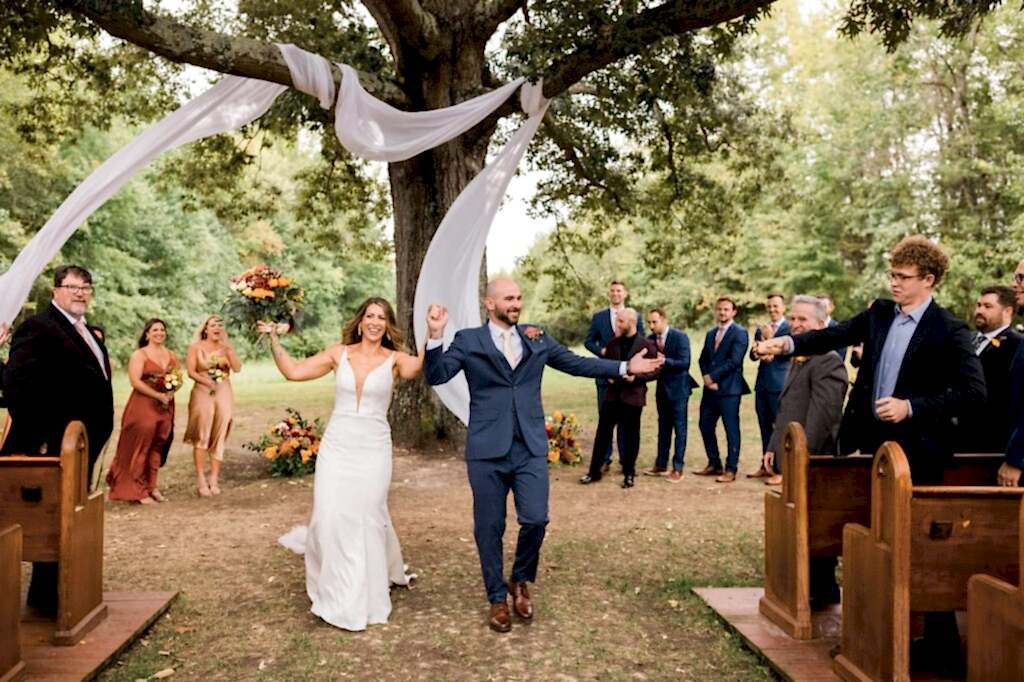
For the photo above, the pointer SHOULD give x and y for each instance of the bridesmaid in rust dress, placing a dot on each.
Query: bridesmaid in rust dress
(148, 420)
(211, 360)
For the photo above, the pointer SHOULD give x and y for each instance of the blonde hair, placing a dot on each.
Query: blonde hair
(201, 332)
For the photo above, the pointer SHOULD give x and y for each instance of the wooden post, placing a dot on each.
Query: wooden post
(12, 668)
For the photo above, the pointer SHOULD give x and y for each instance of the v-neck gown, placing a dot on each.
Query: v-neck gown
(351, 550)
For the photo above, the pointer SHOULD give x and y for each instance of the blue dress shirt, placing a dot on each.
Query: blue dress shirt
(895, 347)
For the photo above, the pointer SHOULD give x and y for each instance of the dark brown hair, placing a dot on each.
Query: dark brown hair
(1005, 295)
(660, 312)
(393, 339)
(61, 273)
(143, 341)
(921, 252)
(729, 299)
(776, 295)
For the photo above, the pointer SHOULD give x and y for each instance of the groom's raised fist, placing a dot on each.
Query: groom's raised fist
(641, 364)
(437, 318)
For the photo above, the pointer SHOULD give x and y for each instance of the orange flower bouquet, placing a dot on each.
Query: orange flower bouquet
(290, 445)
(262, 293)
(563, 438)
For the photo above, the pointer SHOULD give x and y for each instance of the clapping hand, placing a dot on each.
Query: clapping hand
(437, 319)
(641, 364)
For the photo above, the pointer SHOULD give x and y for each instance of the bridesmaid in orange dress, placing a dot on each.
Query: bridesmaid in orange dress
(211, 360)
(148, 420)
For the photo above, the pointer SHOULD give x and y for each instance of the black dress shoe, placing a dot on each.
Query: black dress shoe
(588, 479)
(627, 481)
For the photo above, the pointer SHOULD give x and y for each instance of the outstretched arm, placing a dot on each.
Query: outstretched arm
(312, 367)
(410, 366)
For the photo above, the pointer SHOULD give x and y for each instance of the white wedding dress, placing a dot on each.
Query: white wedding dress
(352, 551)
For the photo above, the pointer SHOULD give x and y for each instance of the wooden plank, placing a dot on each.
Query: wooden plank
(11, 666)
(130, 615)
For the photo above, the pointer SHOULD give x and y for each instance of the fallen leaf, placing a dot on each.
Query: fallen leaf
(166, 672)
(164, 653)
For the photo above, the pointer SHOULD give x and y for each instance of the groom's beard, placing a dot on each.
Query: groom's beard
(509, 317)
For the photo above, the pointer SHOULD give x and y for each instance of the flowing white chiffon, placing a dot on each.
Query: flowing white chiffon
(351, 550)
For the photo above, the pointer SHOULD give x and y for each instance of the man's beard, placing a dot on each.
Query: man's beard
(506, 316)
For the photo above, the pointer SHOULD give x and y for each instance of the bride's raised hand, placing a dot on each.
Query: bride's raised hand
(266, 328)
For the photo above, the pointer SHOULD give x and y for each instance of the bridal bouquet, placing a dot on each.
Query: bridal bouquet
(172, 380)
(563, 438)
(290, 445)
(217, 374)
(262, 293)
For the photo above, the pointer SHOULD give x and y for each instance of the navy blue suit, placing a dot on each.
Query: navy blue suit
(672, 397)
(507, 445)
(771, 376)
(599, 335)
(725, 366)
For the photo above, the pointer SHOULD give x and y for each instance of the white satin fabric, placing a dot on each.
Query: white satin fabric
(368, 128)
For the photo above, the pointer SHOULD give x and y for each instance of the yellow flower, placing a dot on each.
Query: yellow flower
(305, 454)
(996, 342)
(271, 452)
(552, 455)
(294, 443)
(557, 416)
(272, 283)
(283, 281)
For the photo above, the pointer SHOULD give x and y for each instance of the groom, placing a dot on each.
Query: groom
(507, 445)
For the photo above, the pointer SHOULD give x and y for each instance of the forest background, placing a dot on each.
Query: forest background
(792, 166)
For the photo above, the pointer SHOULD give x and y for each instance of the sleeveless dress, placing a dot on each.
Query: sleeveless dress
(210, 415)
(146, 429)
(351, 550)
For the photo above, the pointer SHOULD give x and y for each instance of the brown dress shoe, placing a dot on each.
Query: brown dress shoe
(675, 477)
(605, 468)
(499, 620)
(521, 603)
(726, 477)
(655, 471)
(760, 473)
(774, 480)
(708, 471)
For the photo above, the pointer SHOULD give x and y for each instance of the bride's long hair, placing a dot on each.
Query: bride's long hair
(393, 338)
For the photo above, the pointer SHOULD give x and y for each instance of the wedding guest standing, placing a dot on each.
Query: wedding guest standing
(771, 374)
(211, 360)
(148, 420)
(672, 395)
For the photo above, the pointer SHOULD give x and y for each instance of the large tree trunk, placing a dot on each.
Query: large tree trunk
(422, 190)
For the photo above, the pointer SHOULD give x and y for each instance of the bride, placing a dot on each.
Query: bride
(351, 549)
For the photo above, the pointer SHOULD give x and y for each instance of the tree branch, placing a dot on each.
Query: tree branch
(183, 43)
(493, 13)
(405, 23)
(628, 36)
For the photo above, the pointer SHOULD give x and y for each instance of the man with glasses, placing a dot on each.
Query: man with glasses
(918, 372)
(1010, 471)
(57, 372)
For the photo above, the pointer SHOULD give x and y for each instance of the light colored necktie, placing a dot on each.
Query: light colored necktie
(93, 346)
(506, 347)
(718, 337)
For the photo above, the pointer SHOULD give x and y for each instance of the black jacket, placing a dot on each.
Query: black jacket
(629, 392)
(940, 375)
(52, 378)
(988, 427)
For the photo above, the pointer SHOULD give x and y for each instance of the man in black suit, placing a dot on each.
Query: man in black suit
(988, 427)
(624, 401)
(918, 372)
(721, 366)
(1011, 470)
(600, 334)
(672, 395)
(57, 372)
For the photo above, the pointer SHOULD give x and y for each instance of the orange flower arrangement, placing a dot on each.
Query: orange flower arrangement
(563, 438)
(290, 445)
(262, 293)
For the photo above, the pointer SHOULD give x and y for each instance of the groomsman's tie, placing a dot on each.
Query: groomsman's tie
(718, 337)
(506, 347)
(91, 343)
(979, 340)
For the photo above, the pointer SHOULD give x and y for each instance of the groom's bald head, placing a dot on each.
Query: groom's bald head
(503, 300)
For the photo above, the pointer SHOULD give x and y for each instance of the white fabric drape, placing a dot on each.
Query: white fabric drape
(228, 105)
(451, 269)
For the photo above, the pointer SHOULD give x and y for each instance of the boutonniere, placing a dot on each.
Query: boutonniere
(997, 341)
(533, 333)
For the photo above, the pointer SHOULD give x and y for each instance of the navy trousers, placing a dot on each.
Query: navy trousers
(766, 405)
(727, 408)
(491, 479)
(602, 386)
(671, 419)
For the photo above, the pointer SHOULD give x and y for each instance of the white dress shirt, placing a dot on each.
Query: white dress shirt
(988, 338)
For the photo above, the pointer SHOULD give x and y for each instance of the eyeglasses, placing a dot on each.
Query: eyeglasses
(76, 289)
(901, 278)
(1018, 278)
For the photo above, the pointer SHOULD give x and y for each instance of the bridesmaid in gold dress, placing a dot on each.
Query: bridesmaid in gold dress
(148, 420)
(211, 360)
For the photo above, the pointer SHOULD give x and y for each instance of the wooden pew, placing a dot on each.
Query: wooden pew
(820, 494)
(60, 521)
(924, 544)
(995, 626)
(11, 666)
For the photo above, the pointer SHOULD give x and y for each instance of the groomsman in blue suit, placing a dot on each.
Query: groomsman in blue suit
(771, 375)
(1011, 470)
(507, 446)
(673, 394)
(721, 363)
(600, 334)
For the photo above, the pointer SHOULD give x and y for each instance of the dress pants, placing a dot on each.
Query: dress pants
(727, 408)
(766, 405)
(626, 419)
(526, 475)
(602, 388)
(671, 418)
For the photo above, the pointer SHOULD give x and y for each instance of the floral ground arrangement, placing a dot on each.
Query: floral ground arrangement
(290, 445)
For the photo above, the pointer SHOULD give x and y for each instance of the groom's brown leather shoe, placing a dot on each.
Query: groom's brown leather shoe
(521, 603)
(500, 620)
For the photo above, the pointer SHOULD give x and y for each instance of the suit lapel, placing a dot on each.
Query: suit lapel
(76, 339)
(527, 345)
(487, 343)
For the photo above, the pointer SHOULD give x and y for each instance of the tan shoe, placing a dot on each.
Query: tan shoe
(499, 620)
(760, 473)
(774, 480)
(675, 477)
(655, 471)
(708, 471)
(521, 604)
(727, 477)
